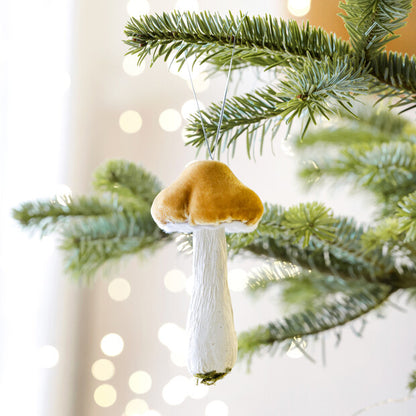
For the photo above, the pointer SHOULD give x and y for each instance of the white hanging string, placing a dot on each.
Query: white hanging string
(225, 94)
(227, 84)
(199, 109)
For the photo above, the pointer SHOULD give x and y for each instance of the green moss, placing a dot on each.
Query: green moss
(211, 377)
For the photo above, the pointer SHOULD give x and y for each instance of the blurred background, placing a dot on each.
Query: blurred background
(70, 100)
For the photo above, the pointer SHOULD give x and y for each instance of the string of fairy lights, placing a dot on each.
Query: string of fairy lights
(170, 334)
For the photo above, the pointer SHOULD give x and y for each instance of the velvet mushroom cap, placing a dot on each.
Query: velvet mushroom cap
(207, 194)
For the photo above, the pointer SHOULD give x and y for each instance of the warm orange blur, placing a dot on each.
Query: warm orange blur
(324, 13)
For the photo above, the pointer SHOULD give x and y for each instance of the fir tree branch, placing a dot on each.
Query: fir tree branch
(310, 219)
(406, 216)
(305, 324)
(97, 229)
(90, 244)
(374, 125)
(412, 381)
(339, 135)
(310, 89)
(398, 76)
(396, 70)
(127, 180)
(49, 215)
(386, 234)
(269, 275)
(387, 169)
(251, 113)
(343, 257)
(371, 23)
(301, 289)
(264, 41)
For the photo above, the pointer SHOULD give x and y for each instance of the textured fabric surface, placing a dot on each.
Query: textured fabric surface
(206, 193)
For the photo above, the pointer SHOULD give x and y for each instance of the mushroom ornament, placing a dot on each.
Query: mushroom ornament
(208, 200)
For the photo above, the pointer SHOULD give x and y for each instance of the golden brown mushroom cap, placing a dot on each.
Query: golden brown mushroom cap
(207, 194)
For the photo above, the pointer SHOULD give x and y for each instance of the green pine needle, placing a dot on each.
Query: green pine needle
(127, 180)
(88, 245)
(265, 41)
(310, 219)
(412, 381)
(306, 323)
(386, 169)
(50, 215)
(406, 215)
(371, 23)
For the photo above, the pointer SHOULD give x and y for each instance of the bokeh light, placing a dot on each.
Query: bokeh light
(237, 280)
(191, 107)
(103, 369)
(119, 289)
(130, 66)
(299, 7)
(130, 121)
(112, 344)
(187, 5)
(197, 391)
(105, 395)
(179, 358)
(172, 336)
(176, 391)
(189, 285)
(216, 408)
(48, 356)
(170, 120)
(140, 382)
(136, 407)
(201, 82)
(136, 8)
(63, 194)
(151, 412)
(175, 280)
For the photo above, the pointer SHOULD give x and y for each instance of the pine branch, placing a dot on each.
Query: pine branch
(127, 180)
(375, 125)
(380, 120)
(386, 234)
(310, 89)
(343, 257)
(339, 135)
(406, 216)
(398, 73)
(412, 381)
(90, 244)
(251, 113)
(310, 219)
(396, 70)
(371, 23)
(264, 41)
(301, 289)
(269, 275)
(49, 215)
(386, 169)
(101, 228)
(306, 324)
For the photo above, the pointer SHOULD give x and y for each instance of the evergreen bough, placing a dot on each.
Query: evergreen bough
(330, 270)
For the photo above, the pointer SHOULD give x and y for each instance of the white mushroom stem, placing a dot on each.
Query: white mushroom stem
(213, 345)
